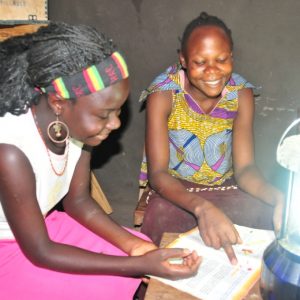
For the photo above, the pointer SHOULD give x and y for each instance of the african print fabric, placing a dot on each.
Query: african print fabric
(200, 143)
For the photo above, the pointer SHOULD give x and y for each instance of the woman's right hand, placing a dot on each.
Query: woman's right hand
(217, 230)
(159, 263)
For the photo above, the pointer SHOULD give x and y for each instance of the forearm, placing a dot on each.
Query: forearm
(251, 180)
(69, 259)
(88, 213)
(174, 191)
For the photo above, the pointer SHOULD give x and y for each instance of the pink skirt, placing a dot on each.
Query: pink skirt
(20, 279)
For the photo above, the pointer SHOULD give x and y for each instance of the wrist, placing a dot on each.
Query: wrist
(133, 266)
(139, 265)
(271, 195)
(201, 206)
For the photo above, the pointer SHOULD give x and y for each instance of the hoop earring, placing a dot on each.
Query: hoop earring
(57, 126)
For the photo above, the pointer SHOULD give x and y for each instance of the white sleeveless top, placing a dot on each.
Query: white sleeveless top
(21, 131)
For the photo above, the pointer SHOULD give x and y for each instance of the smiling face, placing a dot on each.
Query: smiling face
(92, 118)
(207, 59)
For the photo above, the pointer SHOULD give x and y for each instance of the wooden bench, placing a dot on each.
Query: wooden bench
(98, 194)
(141, 206)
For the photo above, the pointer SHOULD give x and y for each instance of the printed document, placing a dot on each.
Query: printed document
(217, 279)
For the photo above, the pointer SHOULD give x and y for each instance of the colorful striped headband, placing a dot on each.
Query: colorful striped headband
(91, 79)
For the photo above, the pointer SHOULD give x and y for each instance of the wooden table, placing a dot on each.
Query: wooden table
(157, 290)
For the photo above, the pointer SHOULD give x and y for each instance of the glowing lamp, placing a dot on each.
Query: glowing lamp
(280, 278)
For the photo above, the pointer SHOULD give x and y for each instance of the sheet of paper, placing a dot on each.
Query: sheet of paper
(217, 279)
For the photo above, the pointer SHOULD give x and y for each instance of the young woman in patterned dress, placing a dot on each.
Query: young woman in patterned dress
(199, 145)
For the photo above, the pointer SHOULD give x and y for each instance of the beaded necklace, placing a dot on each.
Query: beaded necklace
(58, 173)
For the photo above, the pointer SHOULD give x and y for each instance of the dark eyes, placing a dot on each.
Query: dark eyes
(108, 114)
(200, 63)
(220, 60)
(103, 115)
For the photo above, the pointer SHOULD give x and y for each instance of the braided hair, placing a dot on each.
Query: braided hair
(204, 19)
(34, 60)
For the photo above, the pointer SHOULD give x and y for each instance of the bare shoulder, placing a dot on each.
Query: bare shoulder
(16, 174)
(160, 101)
(167, 95)
(245, 94)
(246, 102)
(15, 167)
(10, 154)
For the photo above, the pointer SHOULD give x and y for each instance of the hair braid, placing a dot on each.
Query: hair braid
(37, 59)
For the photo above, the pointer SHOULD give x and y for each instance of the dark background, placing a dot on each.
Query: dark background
(266, 52)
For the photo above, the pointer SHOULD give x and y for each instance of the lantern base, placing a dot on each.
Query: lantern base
(280, 277)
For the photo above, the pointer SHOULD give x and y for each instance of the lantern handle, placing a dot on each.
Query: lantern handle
(281, 159)
(294, 123)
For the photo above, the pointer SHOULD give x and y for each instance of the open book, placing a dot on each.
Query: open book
(217, 279)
